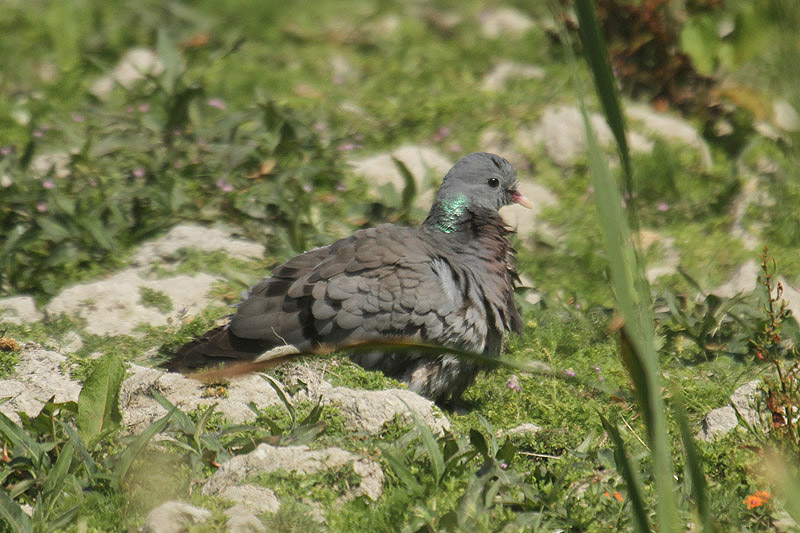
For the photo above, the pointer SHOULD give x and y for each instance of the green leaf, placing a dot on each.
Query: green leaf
(410, 186)
(55, 478)
(20, 439)
(699, 39)
(397, 463)
(98, 402)
(478, 442)
(126, 458)
(53, 230)
(694, 468)
(13, 515)
(282, 395)
(631, 477)
(170, 57)
(430, 445)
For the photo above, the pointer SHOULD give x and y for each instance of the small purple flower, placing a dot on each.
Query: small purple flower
(139, 172)
(341, 187)
(224, 185)
(217, 103)
(597, 370)
(76, 117)
(346, 147)
(513, 383)
(455, 148)
(41, 207)
(443, 132)
(503, 466)
(93, 183)
(182, 311)
(308, 187)
(662, 206)
(600, 378)
(38, 134)
(571, 373)
(144, 107)
(5, 150)
(49, 184)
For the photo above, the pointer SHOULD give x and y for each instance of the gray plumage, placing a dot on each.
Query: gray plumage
(449, 283)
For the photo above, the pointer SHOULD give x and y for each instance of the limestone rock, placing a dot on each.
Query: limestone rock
(135, 65)
(742, 281)
(300, 460)
(140, 409)
(38, 377)
(424, 163)
(670, 128)
(174, 517)
(113, 306)
(503, 71)
(258, 500)
(722, 420)
(503, 22)
(366, 410)
(19, 310)
(198, 237)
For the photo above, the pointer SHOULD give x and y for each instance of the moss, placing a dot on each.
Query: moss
(156, 299)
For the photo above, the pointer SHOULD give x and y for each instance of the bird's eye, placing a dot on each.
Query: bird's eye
(494, 183)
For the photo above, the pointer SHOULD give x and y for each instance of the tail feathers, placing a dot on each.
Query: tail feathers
(216, 346)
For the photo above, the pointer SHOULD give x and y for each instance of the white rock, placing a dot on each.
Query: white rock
(366, 410)
(670, 128)
(427, 165)
(55, 162)
(562, 133)
(258, 500)
(522, 219)
(742, 281)
(524, 429)
(792, 297)
(723, 420)
(113, 306)
(300, 460)
(139, 409)
(785, 116)
(137, 64)
(174, 517)
(71, 342)
(38, 376)
(718, 422)
(503, 22)
(19, 310)
(242, 520)
(503, 71)
(198, 237)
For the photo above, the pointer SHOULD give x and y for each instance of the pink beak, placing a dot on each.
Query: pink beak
(519, 198)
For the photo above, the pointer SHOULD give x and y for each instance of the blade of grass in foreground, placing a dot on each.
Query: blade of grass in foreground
(630, 289)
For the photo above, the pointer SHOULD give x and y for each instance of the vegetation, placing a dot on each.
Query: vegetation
(246, 116)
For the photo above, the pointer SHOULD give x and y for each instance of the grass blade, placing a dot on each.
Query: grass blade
(596, 54)
(396, 461)
(127, 457)
(13, 514)
(282, 395)
(694, 468)
(631, 477)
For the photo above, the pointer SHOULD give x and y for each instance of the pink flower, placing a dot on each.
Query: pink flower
(218, 103)
(346, 147)
(77, 117)
(571, 373)
(308, 187)
(139, 172)
(41, 207)
(662, 206)
(49, 184)
(224, 185)
(144, 107)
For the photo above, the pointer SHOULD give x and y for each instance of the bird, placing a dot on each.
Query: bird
(448, 283)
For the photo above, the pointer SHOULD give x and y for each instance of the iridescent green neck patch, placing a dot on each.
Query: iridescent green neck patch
(451, 210)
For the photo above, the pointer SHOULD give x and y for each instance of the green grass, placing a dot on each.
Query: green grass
(163, 152)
